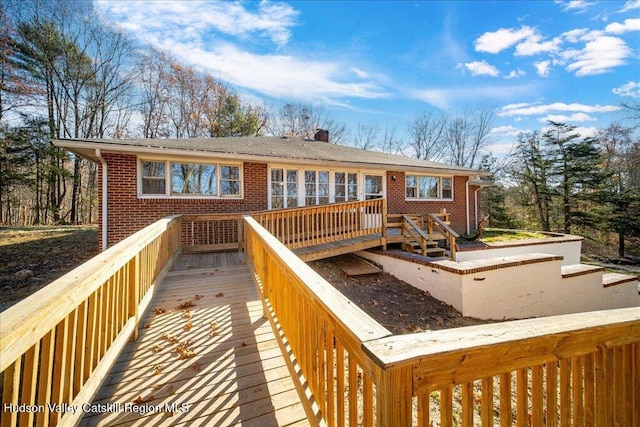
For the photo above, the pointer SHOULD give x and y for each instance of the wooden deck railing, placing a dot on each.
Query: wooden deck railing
(57, 345)
(322, 329)
(578, 369)
(212, 232)
(315, 225)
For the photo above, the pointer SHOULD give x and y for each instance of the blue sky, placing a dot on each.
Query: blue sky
(384, 62)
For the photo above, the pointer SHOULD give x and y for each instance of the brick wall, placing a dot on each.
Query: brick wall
(128, 214)
(396, 203)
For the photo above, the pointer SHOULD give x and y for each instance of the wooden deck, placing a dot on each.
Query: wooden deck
(205, 345)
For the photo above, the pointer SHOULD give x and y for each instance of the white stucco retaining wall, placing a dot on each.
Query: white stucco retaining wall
(532, 286)
(567, 246)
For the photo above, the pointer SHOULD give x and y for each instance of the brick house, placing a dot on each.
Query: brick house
(143, 180)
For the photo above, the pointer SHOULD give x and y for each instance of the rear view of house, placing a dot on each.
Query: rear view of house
(143, 180)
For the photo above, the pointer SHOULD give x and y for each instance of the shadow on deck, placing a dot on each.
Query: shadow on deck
(203, 344)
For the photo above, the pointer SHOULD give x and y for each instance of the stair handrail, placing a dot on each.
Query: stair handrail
(450, 235)
(415, 228)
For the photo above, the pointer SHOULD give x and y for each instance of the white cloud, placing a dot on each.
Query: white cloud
(575, 5)
(563, 118)
(631, 5)
(497, 41)
(515, 74)
(631, 89)
(524, 109)
(445, 98)
(505, 131)
(618, 28)
(543, 68)
(190, 20)
(600, 55)
(534, 45)
(360, 73)
(480, 68)
(574, 36)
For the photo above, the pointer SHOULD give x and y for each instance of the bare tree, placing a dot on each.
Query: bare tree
(153, 80)
(390, 142)
(366, 136)
(427, 136)
(302, 120)
(467, 135)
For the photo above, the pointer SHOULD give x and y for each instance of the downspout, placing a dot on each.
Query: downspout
(467, 205)
(475, 201)
(105, 211)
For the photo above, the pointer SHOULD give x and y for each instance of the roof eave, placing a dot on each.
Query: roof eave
(87, 150)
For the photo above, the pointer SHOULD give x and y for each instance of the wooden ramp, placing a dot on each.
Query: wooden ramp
(338, 247)
(204, 356)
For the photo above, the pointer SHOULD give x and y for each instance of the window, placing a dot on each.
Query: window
(153, 178)
(229, 180)
(373, 187)
(309, 188)
(428, 187)
(292, 188)
(323, 187)
(284, 194)
(346, 186)
(166, 178)
(188, 178)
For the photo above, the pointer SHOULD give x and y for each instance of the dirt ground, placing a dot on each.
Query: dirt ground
(33, 257)
(396, 305)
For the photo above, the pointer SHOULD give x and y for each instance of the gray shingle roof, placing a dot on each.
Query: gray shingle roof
(268, 148)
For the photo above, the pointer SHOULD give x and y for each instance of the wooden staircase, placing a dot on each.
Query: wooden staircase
(416, 240)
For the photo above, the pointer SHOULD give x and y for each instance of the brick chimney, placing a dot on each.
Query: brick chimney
(321, 135)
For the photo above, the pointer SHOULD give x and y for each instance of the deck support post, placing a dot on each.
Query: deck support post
(394, 391)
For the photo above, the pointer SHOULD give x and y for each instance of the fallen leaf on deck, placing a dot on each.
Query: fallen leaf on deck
(156, 348)
(139, 400)
(199, 297)
(214, 329)
(219, 295)
(187, 304)
(159, 310)
(187, 326)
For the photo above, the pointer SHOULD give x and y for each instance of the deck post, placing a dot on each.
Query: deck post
(134, 292)
(384, 224)
(394, 393)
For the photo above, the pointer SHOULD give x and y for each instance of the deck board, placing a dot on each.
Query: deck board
(235, 374)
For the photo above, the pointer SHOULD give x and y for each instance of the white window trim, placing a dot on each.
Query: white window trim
(169, 195)
(430, 199)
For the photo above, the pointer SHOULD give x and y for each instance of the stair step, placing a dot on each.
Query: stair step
(579, 270)
(431, 251)
(613, 279)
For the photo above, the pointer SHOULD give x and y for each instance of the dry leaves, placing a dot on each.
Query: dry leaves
(183, 350)
(140, 400)
(159, 310)
(214, 329)
(219, 294)
(186, 305)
